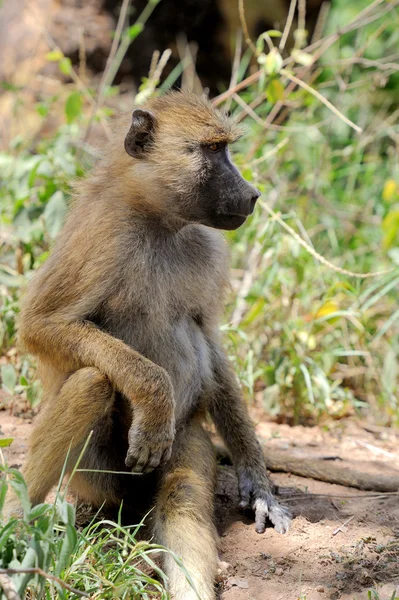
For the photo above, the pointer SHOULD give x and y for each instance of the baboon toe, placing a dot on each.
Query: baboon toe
(268, 508)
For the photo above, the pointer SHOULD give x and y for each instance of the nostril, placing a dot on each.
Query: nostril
(252, 203)
(254, 198)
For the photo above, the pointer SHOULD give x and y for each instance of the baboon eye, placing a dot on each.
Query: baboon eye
(215, 147)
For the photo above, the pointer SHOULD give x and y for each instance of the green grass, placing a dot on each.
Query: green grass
(47, 555)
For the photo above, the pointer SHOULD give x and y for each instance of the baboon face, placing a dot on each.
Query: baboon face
(185, 141)
(224, 198)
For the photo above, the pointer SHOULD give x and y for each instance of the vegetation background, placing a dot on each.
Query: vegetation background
(310, 341)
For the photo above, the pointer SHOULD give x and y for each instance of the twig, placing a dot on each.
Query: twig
(321, 21)
(82, 55)
(245, 27)
(340, 528)
(188, 56)
(360, 21)
(154, 78)
(302, 15)
(104, 78)
(328, 41)
(318, 256)
(322, 99)
(240, 86)
(248, 110)
(8, 587)
(366, 62)
(287, 26)
(126, 41)
(236, 65)
(312, 496)
(39, 571)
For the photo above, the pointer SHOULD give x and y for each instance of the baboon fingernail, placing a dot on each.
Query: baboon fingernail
(260, 528)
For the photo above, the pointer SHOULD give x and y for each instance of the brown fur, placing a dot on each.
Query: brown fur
(123, 319)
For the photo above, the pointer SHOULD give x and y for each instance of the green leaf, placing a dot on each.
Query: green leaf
(5, 442)
(54, 55)
(18, 484)
(135, 30)
(65, 512)
(65, 66)
(54, 213)
(68, 545)
(9, 378)
(390, 227)
(3, 492)
(29, 561)
(73, 107)
(308, 382)
(275, 91)
(38, 511)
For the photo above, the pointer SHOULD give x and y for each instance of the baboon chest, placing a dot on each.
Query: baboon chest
(170, 292)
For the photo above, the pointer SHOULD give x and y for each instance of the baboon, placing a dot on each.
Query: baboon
(123, 318)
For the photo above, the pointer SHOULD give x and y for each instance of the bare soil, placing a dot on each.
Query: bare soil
(320, 558)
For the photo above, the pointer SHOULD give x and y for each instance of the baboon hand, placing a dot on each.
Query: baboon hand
(255, 493)
(148, 446)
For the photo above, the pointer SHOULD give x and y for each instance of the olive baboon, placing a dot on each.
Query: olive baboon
(123, 318)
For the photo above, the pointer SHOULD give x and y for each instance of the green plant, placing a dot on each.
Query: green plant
(374, 595)
(44, 553)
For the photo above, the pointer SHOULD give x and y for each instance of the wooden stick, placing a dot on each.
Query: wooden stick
(278, 460)
(340, 528)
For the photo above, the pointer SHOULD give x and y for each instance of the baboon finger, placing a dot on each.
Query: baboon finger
(267, 508)
(154, 461)
(261, 513)
(167, 453)
(280, 517)
(245, 498)
(137, 458)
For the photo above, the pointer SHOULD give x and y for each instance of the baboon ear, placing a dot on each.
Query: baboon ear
(141, 133)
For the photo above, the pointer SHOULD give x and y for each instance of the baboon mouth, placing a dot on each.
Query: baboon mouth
(229, 221)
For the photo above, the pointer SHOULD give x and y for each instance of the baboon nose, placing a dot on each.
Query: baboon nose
(254, 197)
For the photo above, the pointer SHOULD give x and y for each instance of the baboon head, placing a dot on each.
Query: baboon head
(180, 141)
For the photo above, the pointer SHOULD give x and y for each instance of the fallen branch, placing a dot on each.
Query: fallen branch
(278, 460)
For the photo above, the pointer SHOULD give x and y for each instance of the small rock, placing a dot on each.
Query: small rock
(320, 589)
(279, 571)
(224, 567)
(241, 583)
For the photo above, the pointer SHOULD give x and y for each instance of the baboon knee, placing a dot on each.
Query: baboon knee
(184, 491)
(90, 378)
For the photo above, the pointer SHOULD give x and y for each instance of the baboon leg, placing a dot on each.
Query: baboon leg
(184, 514)
(63, 426)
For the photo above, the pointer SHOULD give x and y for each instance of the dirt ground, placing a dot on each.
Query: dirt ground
(320, 558)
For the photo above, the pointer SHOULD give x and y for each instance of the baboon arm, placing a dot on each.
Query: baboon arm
(73, 344)
(230, 414)
(234, 424)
